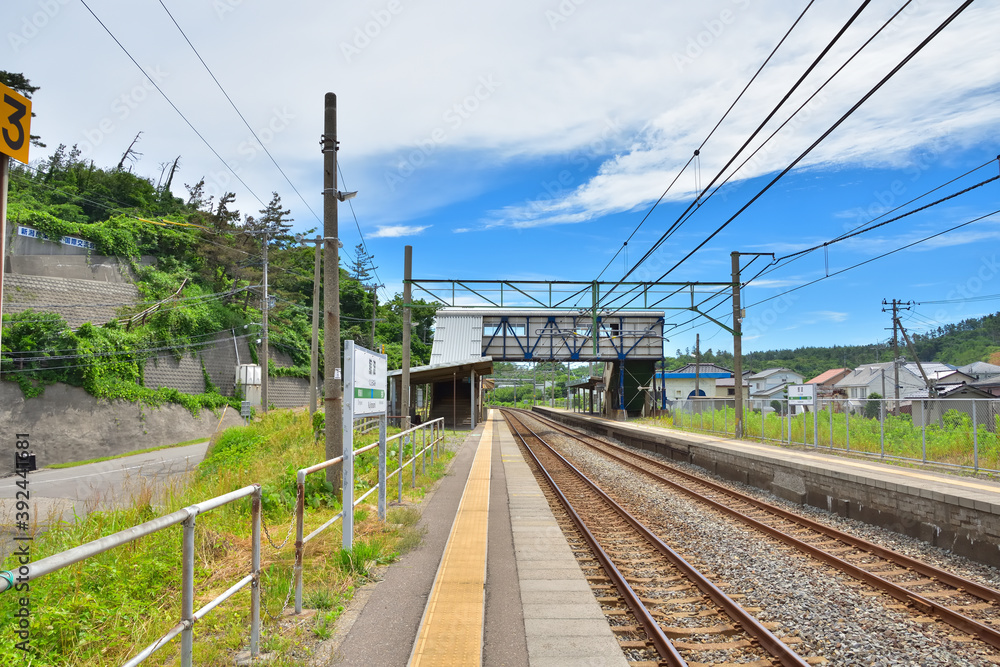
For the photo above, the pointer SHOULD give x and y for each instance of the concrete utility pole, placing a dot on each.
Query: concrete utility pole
(737, 346)
(896, 307)
(333, 383)
(697, 365)
(265, 354)
(374, 312)
(407, 315)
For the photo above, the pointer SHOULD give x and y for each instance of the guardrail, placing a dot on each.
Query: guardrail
(186, 516)
(436, 429)
(29, 572)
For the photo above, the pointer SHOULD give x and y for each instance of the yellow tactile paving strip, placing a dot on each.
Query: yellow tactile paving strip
(451, 632)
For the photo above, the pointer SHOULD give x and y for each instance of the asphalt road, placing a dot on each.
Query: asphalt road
(56, 495)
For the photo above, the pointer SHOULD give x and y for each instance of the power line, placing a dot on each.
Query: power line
(233, 104)
(829, 131)
(360, 234)
(681, 219)
(170, 102)
(872, 259)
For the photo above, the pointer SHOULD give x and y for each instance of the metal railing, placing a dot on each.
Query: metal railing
(32, 571)
(186, 517)
(961, 433)
(436, 430)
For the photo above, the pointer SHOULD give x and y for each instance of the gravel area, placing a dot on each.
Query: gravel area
(835, 617)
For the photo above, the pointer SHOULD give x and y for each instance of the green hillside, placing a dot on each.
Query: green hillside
(205, 248)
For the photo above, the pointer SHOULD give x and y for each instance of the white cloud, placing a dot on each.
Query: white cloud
(830, 315)
(396, 231)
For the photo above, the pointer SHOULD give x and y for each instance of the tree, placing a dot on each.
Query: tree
(362, 265)
(18, 82)
(276, 219)
(872, 405)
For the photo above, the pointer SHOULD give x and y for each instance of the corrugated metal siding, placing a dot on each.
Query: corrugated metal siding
(457, 338)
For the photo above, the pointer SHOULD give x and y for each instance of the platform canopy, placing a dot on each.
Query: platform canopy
(446, 371)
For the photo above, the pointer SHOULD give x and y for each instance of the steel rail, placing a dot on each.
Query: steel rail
(653, 630)
(954, 618)
(771, 643)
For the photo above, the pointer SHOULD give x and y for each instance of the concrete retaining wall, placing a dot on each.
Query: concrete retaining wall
(78, 301)
(68, 424)
(962, 522)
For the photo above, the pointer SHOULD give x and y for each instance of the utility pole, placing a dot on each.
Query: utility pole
(697, 365)
(374, 311)
(738, 338)
(265, 354)
(4, 176)
(737, 346)
(314, 364)
(896, 306)
(334, 400)
(407, 322)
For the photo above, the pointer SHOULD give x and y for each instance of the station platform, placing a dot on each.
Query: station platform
(955, 512)
(493, 583)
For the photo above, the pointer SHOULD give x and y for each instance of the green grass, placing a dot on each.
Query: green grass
(103, 610)
(73, 464)
(950, 442)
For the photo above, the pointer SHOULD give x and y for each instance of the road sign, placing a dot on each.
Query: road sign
(15, 124)
(370, 371)
(801, 394)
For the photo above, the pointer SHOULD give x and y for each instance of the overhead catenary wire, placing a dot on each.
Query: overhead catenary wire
(829, 131)
(171, 103)
(680, 220)
(705, 141)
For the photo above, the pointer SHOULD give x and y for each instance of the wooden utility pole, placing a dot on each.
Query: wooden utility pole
(404, 392)
(333, 401)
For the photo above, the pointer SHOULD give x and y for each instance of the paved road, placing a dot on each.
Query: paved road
(59, 494)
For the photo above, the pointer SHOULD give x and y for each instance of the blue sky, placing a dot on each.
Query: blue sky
(527, 139)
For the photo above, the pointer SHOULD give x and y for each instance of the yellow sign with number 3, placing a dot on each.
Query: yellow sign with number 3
(15, 124)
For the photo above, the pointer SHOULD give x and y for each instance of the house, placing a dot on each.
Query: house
(769, 385)
(980, 370)
(679, 384)
(826, 383)
(726, 388)
(870, 379)
(980, 405)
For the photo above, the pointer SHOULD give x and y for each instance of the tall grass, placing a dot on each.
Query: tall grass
(103, 610)
(951, 442)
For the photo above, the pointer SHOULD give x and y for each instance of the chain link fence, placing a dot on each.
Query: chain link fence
(962, 433)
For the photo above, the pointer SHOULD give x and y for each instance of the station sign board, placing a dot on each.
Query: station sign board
(801, 394)
(369, 391)
(15, 124)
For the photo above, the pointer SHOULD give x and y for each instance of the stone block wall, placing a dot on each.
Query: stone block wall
(78, 301)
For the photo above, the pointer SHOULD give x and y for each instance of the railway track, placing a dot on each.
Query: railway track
(933, 593)
(677, 611)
